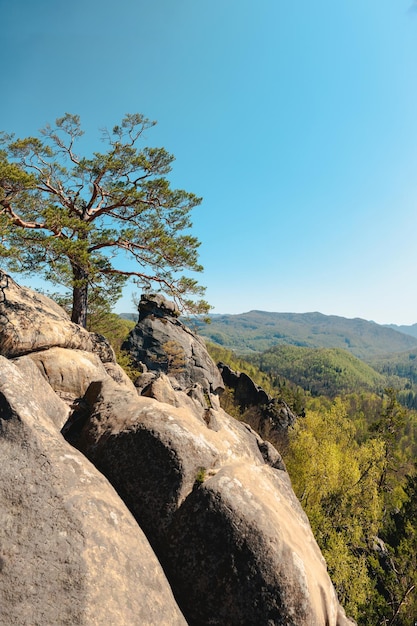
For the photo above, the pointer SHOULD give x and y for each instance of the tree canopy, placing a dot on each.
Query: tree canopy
(73, 219)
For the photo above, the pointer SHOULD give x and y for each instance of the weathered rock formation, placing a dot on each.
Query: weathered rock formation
(70, 551)
(205, 491)
(160, 342)
(273, 416)
(268, 416)
(30, 322)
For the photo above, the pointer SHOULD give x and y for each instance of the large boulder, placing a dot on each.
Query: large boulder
(162, 343)
(160, 388)
(241, 543)
(70, 551)
(226, 525)
(30, 321)
(69, 372)
(51, 404)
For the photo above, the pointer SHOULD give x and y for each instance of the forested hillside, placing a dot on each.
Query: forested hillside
(369, 358)
(320, 371)
(403, 367)
(257, 331)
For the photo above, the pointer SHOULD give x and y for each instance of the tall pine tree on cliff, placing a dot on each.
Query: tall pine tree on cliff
(71, 218)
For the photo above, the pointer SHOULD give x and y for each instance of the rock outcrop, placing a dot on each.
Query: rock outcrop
(30, 322)
(270, 417)
(231, 536)
(249, 394)
(192, 491)
(160, 342)
(70, 551)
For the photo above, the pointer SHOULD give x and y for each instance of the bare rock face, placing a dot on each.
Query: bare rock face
(53, 406)
(69, 372)
(162, 343)
(70, 551)
(160, 389)
(166, 447)
(256, 560)
(272, 416)
(209, 494)
(226, 525)
(30, 322)
(119, 375)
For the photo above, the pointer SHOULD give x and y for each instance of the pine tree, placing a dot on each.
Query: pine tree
(71, 218)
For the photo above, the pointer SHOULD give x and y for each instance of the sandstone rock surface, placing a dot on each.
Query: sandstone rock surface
(211, 496)
(226, 526)
(30, 321)
(70, 551)
(162, 343)
(272, 417)
(54, 407)
(257, 563)
(69, 372)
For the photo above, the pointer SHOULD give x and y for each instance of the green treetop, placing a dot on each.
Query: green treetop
(71, 218)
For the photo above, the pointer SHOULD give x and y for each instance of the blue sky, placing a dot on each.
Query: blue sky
(295, 120)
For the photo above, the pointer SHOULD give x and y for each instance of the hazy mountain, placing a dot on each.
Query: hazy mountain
(407, 330)
(133, 317)
(257, 331)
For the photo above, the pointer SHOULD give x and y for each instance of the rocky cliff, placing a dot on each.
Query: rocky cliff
(271, 418)
(140, 505)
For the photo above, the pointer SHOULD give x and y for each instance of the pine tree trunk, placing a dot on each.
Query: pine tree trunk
(79, 296)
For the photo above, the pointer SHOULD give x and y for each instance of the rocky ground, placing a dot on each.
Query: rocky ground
(140, 504)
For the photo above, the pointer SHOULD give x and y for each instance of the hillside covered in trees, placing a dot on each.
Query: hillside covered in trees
(257, 331)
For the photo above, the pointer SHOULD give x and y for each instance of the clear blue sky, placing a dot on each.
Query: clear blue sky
(295, 120)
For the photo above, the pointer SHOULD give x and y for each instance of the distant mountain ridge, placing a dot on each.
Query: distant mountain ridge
(257, 331)
(407, 330)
